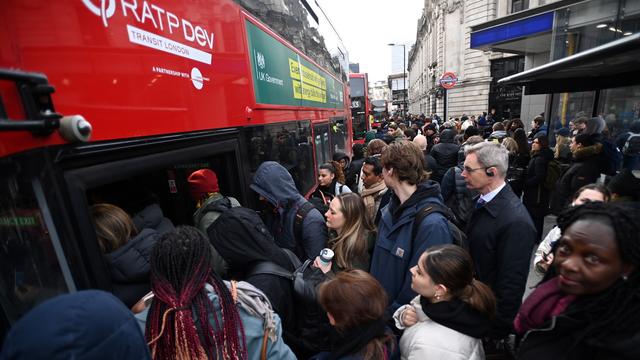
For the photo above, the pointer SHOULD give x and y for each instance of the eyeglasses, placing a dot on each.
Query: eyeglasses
(470, 170)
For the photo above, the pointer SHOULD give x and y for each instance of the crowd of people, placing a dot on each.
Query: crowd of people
(416, 247)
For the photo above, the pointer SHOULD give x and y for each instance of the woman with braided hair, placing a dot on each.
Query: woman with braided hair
(241, 323)
(590, 308)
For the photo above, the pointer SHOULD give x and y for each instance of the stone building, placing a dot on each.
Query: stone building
(443, 45)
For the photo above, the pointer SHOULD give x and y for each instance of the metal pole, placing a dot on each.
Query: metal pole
(404, 80)
(444, 107)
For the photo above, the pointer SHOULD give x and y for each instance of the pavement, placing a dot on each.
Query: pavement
(534, 278)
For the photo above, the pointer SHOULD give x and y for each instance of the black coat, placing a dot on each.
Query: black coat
(536, 197)
(587, 163)
(554, 340)
(501, 237)
(446, 156)
(518, 164)
(129, 267)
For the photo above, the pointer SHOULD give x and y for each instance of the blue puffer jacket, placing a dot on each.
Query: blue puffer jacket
(88, 324)
(274, 183)
(151, 217)
(129, 267)
(395, 252)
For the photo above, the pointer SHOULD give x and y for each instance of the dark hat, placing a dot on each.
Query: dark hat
(430, 126)
(202, 182)
(540, 134)
(339, 156)
(563, 132)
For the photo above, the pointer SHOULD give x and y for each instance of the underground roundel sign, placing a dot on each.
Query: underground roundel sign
(448, 80)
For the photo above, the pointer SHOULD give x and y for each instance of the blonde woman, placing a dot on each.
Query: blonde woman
(126, 250)
(562, 151)
(351, 236)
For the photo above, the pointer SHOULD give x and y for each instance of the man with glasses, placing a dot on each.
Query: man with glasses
(500, 232)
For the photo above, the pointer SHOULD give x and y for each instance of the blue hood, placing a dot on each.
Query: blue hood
(88, 324)
(274, 183)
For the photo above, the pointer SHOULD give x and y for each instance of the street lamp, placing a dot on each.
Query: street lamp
(404, 77)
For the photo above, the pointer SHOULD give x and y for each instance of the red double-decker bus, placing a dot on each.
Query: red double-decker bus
(360, 105)
(119, 101)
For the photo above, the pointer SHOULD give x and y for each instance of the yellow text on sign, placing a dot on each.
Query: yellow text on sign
(306, 92)
(308, 76)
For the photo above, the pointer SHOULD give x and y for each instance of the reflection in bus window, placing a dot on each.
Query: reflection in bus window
(323, 151)
(29, 269)
(338, 134)
(287, 143)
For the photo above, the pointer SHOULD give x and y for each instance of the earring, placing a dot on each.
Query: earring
(625, 277)
(437, 296)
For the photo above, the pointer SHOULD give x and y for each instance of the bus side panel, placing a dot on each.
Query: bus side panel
(144, 73)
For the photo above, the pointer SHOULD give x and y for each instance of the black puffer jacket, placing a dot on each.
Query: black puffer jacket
(536, 198)
(129, 267)
(445, 153)
(151, 217)
(587, 163)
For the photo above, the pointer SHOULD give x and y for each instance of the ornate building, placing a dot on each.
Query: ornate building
(443, 45)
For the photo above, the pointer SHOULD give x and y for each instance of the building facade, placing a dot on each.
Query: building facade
(553, 30)
(443, 45)
(379, 90)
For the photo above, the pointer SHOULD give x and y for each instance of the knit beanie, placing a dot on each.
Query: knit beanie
(202, 182)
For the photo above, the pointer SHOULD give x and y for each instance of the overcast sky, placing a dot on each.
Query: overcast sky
(367, 26)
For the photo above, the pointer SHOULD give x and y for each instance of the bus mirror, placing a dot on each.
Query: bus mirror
(75, 128)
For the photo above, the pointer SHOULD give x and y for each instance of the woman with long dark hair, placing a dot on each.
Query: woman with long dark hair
(452, 311)
(355, 303)
(589, 308)
(350, 231)
(187, 290)
(535, 196)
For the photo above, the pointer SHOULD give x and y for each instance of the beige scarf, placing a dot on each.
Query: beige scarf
(369, 197)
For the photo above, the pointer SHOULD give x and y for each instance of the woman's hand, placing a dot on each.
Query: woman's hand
(320, 265)
(409, 317)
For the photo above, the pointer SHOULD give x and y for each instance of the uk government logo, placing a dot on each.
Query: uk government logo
(260, 60)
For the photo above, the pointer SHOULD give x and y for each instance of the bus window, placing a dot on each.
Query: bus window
(321, 139)
(338, 135)
(286, 143)
(31, 257)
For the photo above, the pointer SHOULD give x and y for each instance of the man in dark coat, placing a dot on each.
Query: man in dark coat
(500, 232)
(585, 169)
(275, 185)
(445, 153)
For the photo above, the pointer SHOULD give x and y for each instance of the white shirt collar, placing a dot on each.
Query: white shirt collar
(489, 196)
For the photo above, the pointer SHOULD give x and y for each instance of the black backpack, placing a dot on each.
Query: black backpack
(321, 200)
(632, 145)
(311, 322)
(459, 237)
(461, 201)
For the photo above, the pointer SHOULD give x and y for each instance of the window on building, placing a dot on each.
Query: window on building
(519, 5)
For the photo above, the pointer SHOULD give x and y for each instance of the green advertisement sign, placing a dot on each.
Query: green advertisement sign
(282, 77)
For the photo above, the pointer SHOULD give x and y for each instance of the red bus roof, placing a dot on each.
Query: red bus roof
(145, 68)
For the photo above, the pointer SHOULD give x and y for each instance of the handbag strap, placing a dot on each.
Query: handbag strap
(263, 351)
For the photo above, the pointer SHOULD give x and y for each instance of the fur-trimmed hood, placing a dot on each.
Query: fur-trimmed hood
(587, 152)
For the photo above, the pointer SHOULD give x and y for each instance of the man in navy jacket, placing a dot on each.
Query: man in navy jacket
(395, 251)
(500, 232)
